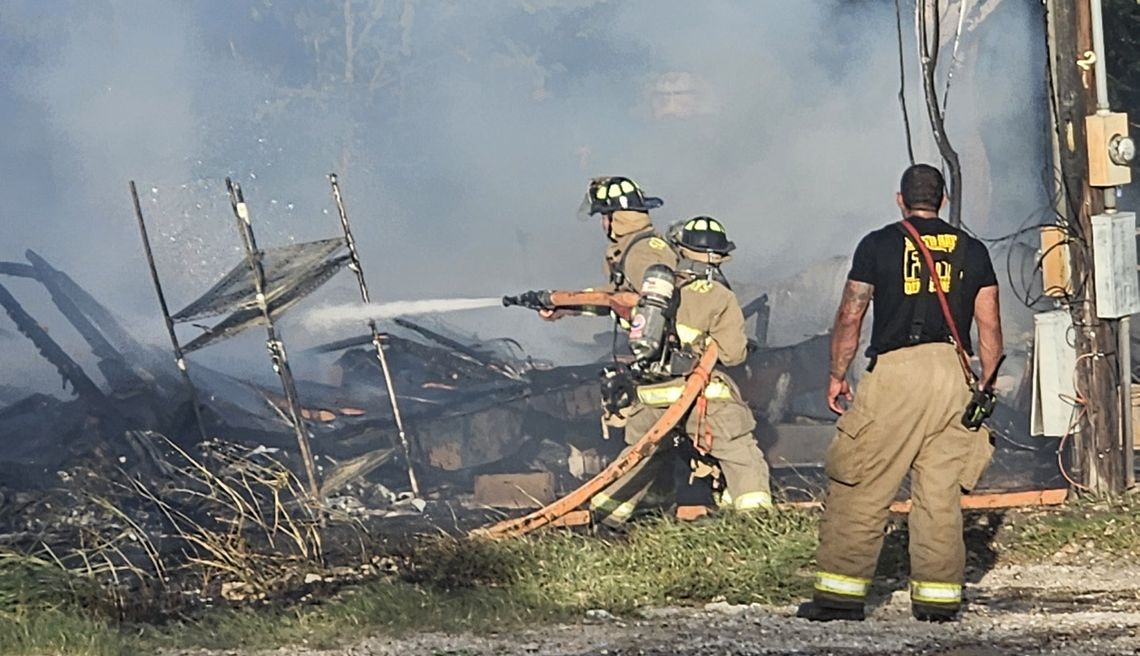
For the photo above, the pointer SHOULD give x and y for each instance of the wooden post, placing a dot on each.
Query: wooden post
(1097, 452)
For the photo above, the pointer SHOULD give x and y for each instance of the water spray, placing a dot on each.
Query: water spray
(330, 315)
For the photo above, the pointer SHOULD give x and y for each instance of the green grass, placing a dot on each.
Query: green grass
(53, 631)
(741, 558)
(44, 610)
(390, 607)
(465, 585)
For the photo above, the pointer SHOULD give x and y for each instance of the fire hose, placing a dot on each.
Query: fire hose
(621, 303)
(695, 385)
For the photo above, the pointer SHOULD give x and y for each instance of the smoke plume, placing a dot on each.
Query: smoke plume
(464, 134)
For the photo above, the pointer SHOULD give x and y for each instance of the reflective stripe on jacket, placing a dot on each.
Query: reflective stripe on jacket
(660, 395)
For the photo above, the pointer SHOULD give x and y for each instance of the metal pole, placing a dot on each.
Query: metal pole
(1124, 350)
(1124, 326)
(1098, 49)
(1100, 73)
(376, 340)
(179, 358)
(273, 342)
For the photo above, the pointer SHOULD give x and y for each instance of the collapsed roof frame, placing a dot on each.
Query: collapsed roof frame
(289, 282)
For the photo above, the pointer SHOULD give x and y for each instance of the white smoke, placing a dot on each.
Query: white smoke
(464, 134)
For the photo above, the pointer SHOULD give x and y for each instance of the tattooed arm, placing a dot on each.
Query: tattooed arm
(845, 339)
(987, 315)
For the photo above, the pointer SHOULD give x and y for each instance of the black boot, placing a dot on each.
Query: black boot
(811, 610)
(934, 612)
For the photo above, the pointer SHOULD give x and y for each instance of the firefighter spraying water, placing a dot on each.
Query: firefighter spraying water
(671, 297)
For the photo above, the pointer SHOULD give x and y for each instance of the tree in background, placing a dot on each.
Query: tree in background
(357, 48)
(1122, 49)
(1122, 46)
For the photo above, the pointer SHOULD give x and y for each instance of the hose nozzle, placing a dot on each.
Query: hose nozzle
(532, 300)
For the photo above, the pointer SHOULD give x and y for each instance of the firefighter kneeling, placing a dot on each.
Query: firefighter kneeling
(677, 315)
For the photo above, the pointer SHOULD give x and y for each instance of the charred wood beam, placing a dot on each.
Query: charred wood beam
(763, 312)
(17, 270)
(463, 349)
(87, 330)
(97, 327)
(276, 347)
(107, 323)
(435, 359)
(51, 351)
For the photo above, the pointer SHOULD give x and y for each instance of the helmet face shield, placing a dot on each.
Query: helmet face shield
(586, 208)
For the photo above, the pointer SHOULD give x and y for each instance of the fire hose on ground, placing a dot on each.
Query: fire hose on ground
(694, 386)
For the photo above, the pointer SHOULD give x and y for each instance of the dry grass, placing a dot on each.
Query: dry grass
(459, 584)
(1096, 527)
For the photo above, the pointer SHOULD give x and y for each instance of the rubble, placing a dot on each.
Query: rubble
(531, 490)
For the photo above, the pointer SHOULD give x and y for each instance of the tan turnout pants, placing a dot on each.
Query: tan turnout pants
(905, 418)
(733, 446)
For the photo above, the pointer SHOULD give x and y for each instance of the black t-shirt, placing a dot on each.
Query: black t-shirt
(887, 259)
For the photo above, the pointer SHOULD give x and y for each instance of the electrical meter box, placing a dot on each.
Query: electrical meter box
(1102, 132)
(1114, 259)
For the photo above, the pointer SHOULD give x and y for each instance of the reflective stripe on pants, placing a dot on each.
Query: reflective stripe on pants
(838, 584)
(930, 592)
(752, 501)
(604, 503)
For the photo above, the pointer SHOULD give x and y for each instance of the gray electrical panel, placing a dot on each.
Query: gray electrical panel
(1114, 259)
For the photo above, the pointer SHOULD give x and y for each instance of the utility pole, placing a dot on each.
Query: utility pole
(1098, 443)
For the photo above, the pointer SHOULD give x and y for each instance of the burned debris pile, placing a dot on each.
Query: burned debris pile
(117, 484)
(470, 408)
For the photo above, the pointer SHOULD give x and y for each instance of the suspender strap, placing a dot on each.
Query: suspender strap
(918, 318)
(971, 378)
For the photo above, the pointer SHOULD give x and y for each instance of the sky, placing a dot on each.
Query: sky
(464, 134)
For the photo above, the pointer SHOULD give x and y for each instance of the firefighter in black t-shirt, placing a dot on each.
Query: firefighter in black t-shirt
(906, 416)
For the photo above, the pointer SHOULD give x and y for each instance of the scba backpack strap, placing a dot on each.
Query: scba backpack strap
(617, 272)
